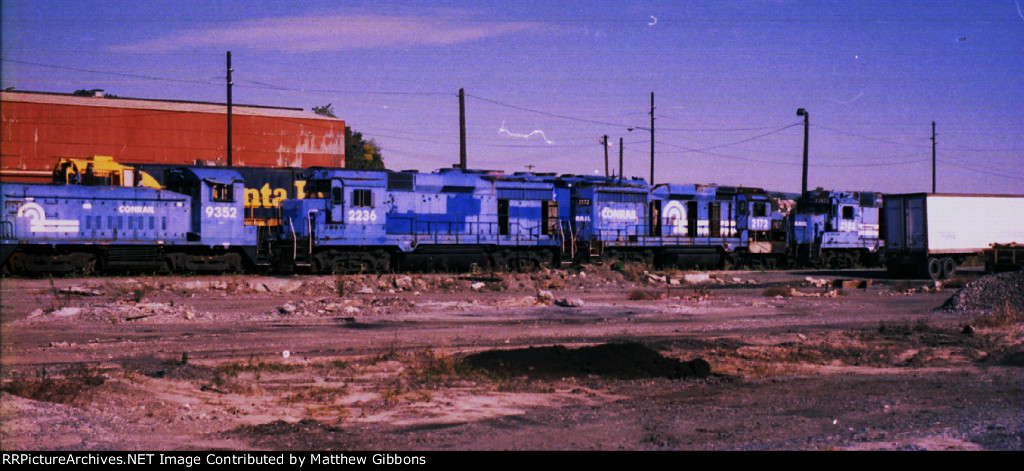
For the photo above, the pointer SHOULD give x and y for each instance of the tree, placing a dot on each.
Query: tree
(326, 110)
(96, 92)
(360, 154)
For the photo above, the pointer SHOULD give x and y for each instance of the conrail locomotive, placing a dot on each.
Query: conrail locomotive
(196, 219)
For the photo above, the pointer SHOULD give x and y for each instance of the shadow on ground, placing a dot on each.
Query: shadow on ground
(616, 360)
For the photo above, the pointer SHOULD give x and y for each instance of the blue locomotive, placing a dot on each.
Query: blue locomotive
(359, 221)
(194, 224)
(669, 225)
(837, 229)
(349, 221)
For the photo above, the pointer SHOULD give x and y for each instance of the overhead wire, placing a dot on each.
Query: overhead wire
(704, 150)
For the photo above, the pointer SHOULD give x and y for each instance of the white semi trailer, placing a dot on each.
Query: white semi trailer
(930, 234)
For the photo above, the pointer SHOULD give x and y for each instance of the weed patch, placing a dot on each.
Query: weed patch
(317, 394)
(1003, 316)
(66, 388)
(775, 291)
(644, 294)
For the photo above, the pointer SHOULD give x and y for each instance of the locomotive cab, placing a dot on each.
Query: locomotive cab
(838, 229)
(338, 226)
(218, 235)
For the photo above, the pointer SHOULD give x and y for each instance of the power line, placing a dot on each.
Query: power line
(545, 113)
(741, 141)
(1002, 175)
(120, 74)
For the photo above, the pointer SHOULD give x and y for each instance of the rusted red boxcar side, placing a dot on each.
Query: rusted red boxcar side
(41, 128)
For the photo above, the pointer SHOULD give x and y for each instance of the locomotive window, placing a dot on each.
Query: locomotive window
(401, 181)
(221, 193)
(847, 212)
(867, 200)
(760, 210)
(549, 217)
(336, 195)
(362, 198)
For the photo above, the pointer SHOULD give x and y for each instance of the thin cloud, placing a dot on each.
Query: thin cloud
(333, 33)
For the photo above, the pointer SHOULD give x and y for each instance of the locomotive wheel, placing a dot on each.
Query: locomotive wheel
(15, 263)
(7, 268)
(84, 263)
(522, 262)
(234, 262)
(175, 262)
(381, 261)
(499, 260)
(319, 263)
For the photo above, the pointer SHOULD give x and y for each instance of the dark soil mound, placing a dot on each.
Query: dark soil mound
(1002, 291)
(618, 360)
(307, 434)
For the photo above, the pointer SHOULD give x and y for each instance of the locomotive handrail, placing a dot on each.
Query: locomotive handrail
(6, 230)
(472, 231)
(632, 236)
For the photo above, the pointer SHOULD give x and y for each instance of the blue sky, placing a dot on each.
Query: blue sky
(545, 80)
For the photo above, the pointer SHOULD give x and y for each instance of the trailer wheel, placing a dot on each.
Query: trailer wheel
(948, 267)
(934, 268)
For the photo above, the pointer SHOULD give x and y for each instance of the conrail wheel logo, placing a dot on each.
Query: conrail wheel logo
(31, 211)
(675, 217)
(38, 224)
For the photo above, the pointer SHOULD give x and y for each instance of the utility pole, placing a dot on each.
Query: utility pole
(462, 129)
(652, 138)
(807, 122)
(933, 156)
(620, 158)
(604, 143)
(229, 109)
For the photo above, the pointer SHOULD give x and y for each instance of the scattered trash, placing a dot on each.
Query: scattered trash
(80, 291)
(67, 311)
(851, 284)
(818, 282)
(574, 302)
(694, 278)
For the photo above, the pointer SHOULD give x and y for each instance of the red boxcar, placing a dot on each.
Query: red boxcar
(41, 128)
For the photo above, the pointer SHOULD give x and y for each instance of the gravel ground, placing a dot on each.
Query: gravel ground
(1002, 291)
(565, 360)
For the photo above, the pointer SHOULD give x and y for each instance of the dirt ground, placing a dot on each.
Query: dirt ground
(797, 360)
